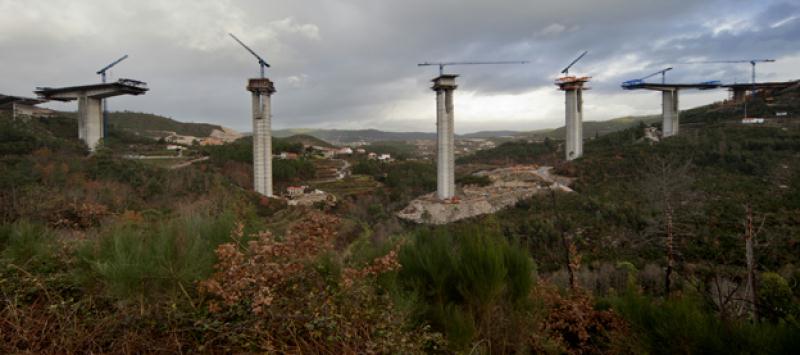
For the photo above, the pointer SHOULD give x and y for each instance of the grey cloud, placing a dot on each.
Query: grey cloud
(358, 58)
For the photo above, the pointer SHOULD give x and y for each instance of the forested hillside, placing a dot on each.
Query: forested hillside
(366, 135)
(142, 123)
(305, 140)
(593, 129)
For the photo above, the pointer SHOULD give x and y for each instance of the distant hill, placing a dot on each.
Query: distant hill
(306, 140)
(766, 106)
(601, 128)
(336, 136)
(490, 134)
(153, 125)
(148, 124)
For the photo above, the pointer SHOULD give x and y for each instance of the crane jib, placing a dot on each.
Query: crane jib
(566, 70)
(261, 61)
(107, 67)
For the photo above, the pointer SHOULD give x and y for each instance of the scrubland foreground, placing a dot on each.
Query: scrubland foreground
(107, 255)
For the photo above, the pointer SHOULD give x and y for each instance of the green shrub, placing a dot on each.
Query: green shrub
(28, 245)
(131, 260)
(411, 177)
(241, 150)
(682, 325)
(519, 152)
(461, 278)
(405, 178)
(293, 170)
(147, 180)
(372, 168)
(775, 299)
(20, 137)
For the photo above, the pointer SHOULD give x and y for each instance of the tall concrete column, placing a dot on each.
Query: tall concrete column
(262, 90)
(90, 120)
(669, 106)
(573, 113)
(445, 138)
(442, 119)
(739, 94)
(574, 124)
(262, 145)
(451, 140)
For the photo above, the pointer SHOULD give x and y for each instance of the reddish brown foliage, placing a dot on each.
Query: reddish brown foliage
(267, 262)
(299, 308)
(39, 315)
(574, 324)
(240, 173)
(378, 266)
(80, 215)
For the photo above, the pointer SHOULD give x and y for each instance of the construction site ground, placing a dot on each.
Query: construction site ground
(349, 186)
(508, 186)
(311, 198)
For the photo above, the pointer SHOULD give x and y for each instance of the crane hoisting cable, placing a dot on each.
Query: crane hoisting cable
(443, 64)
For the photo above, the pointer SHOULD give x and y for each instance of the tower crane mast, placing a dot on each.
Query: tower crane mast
(102, 73)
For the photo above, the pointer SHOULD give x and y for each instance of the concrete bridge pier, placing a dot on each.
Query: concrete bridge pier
(573, 88)
(90, 120)
(574, 123)
(261, 90)
(738, 94)
(90, 108)
(444, 85)
(670, 112)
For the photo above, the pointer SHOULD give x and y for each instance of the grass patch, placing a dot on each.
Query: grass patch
(463, 279)
(352, 185)
(131, 261)
(683, 325)
(28, 245)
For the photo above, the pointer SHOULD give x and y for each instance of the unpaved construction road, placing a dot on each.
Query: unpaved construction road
(508, 186)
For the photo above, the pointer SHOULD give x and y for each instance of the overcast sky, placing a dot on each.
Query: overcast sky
(352, 64)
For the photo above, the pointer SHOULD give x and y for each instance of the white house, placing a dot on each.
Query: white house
(345, 150)
(296, 190)
(752, 120)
